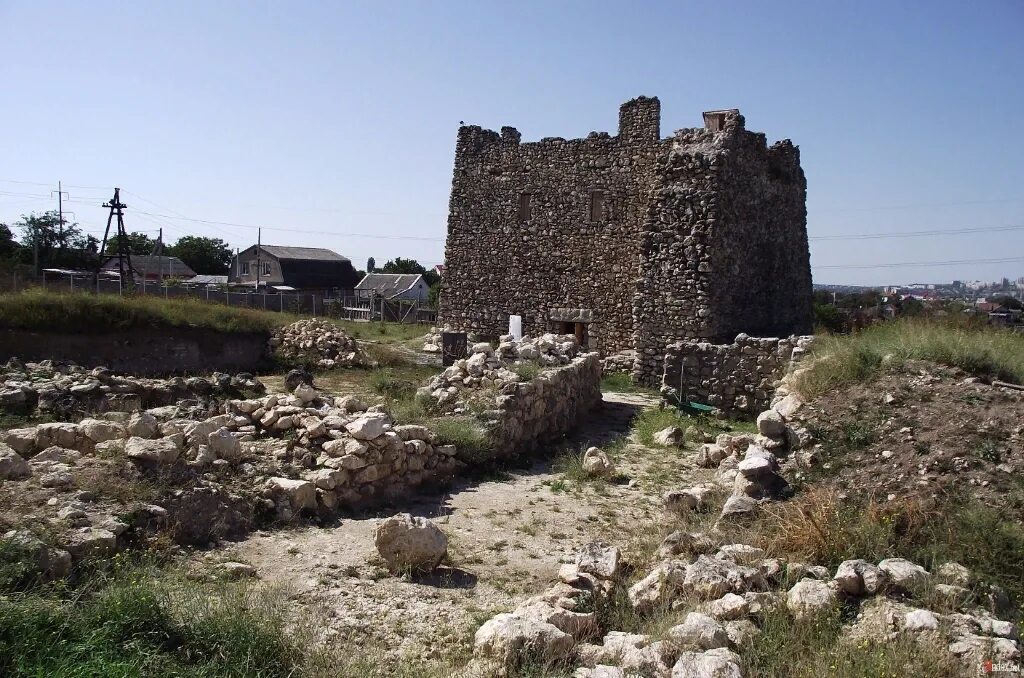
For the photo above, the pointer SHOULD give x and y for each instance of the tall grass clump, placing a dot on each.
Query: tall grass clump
(822, 528)
(981, 351)
(39, 310)
(620, 382)
(471, 442)
(141, 621)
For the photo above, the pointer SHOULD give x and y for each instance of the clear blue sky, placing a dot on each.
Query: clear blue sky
(341, 117)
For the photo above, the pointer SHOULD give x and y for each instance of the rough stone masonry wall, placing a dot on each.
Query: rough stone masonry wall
(558, 265)
(737, 378)
(724, 244)
(546, 408)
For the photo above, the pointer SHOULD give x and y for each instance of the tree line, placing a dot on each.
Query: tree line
(44, 240)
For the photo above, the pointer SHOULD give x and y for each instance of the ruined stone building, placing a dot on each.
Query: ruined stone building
(631, 241)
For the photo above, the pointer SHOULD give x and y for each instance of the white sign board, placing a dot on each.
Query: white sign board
(515, 326)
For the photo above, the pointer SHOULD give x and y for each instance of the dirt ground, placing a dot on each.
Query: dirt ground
(507, 537)
(924, 429)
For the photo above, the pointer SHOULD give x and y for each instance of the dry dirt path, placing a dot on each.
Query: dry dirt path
(507, 537)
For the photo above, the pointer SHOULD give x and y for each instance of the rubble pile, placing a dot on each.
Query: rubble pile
(317, 343)
(499, 369)
(62, 388)
(281, 455)
(730, 589)
(432, 341)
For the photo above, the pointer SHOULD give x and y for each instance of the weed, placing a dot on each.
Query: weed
(620, 382)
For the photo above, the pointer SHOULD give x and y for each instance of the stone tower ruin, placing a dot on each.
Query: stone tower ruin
(632, 241)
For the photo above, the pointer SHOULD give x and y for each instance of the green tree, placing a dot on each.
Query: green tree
(400, 265)
(58, 245)
(138, 243)
(207, 256)
(371, 264)
(9, 247)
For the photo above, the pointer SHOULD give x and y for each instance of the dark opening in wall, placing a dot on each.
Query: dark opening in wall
(596, 206)
(525, 206)
(579, 329)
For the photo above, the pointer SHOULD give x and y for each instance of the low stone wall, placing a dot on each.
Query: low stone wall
(181, 350)
(544, 409)
(738, 378)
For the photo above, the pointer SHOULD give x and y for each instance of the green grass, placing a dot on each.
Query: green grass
(39, 310)
(652, 420)
(815, 646)
(138, 620)
(620, 382)
(388, 333)
(471, 442)
(981, 351)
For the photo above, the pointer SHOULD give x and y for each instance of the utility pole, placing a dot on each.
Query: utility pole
(60, 226)
(123, 251)
(259, 246)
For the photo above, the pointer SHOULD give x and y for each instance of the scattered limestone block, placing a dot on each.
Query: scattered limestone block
(507, 639)
(301, 494)
(717, 663)
(808, 597)
(771, 424)
(159, 451)
(12, 465)
(407, 542)
(597, 464)
(673, 436)
(98, 430)
(600, 560)
(237, 570)
(903, 574)
(699, 632)
(859, 577)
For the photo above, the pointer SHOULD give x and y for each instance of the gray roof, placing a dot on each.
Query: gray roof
(154, 265)
(302, 253)
(209, 280)
(388, 284)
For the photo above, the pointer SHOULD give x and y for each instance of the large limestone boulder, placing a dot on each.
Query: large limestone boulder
(510, 640)
(99, 431)
(659, 587)
(21, 440)
(12, 466)
(717, 663)
(673, 436)
(57, 434)
(771, 424)
(699, 632)
(406, 542)
(809, 597)
(904, 575)
(143, 425)
(368, 427)
(599, 559)
(158, 451)
(300, 494)
(859, 577)
(224, 444)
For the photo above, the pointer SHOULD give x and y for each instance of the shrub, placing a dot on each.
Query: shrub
(471, 442)
(527, 369)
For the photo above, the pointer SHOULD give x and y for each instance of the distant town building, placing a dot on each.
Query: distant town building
(148, 267)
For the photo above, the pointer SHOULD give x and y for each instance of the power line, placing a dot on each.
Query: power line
(953, 262)
(918, 234)
(292, 230)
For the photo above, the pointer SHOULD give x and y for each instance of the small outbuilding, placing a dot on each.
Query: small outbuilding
(394, 286)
